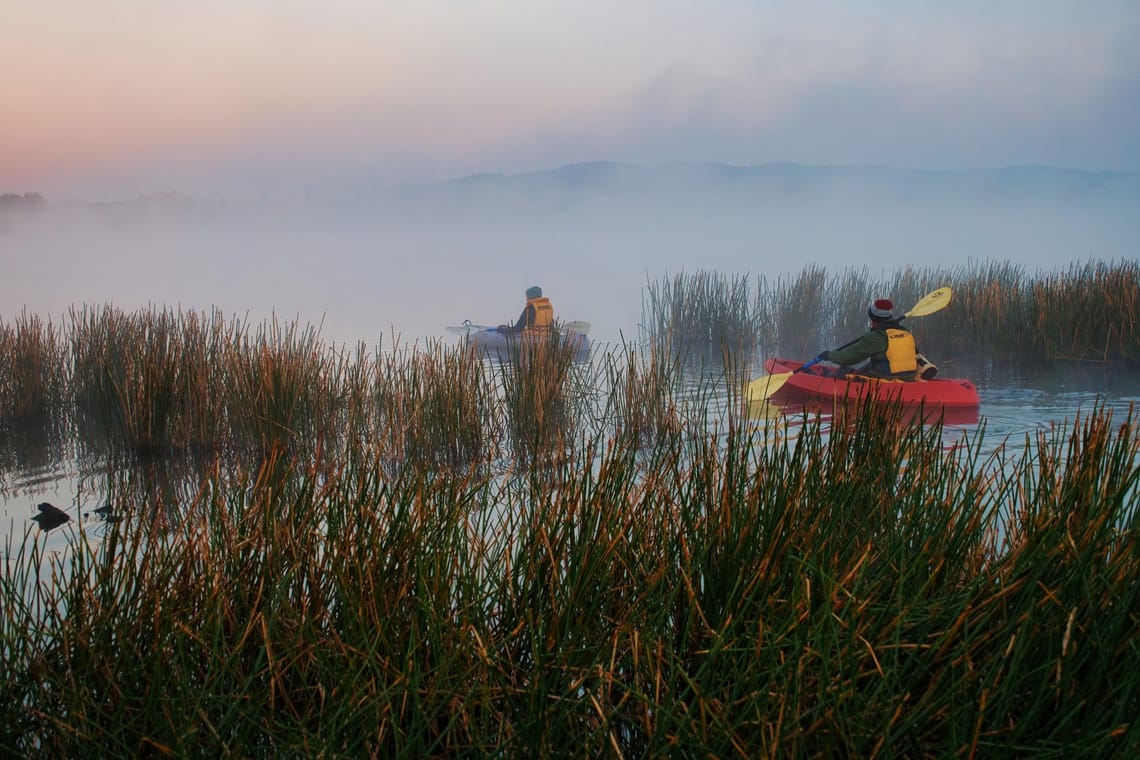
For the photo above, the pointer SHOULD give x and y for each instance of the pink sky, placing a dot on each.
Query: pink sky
(121, 96)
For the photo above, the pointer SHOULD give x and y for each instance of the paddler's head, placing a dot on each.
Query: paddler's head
(881, 310)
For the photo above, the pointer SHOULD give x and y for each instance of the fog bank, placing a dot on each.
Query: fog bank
(411, 261)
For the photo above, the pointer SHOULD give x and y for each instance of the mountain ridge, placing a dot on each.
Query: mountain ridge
(594, 170)
(680, 182)
(720, 183)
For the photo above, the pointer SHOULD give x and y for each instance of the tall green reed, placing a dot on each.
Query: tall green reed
(543, 397)
(999, 311)
(822, 588)
(33, 371)
(205, 342)
(276, 395)
(699, 314)
(34, 408)
(127, 375)
(436, 407)
(645, 399)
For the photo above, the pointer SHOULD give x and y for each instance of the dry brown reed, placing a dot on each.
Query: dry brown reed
(854, 590)
(33, 371)
(999, 312)
(436, 408)
(540, 395)
(644, 399)
(277, 397)
(697, 315)
(127, 375)
(33, 396)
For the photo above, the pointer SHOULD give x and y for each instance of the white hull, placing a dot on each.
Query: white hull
(489, 340)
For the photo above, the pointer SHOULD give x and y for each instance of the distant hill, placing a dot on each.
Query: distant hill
(724, 185)
(609, 185)
(614, 176)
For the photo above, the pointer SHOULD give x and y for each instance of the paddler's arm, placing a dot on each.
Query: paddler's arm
(874, 342)
(526, 319)
(521, 323)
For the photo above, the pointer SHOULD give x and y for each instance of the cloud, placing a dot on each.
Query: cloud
(971, 91)
(157, 94)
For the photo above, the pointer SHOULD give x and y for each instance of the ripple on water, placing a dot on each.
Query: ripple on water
(1014, 403)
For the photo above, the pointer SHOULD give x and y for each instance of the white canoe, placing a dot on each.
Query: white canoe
(488, 339)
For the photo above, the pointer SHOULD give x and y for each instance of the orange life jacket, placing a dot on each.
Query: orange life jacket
(901, 356)
(543, 313)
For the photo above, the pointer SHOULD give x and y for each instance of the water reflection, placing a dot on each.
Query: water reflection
(31, 452)
(828, 408)
(98, 488)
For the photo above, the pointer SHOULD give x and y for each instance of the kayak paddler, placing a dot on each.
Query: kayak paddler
(887, 347)
(537, 314)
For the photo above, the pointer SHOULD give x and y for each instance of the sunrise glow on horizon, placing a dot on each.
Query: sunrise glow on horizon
(124, 95)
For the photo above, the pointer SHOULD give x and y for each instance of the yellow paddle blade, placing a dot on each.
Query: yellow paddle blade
(931, 302)
(759, 409)
(764, 386)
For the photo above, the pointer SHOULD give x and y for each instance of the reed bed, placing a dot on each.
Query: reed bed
(33, 393)
(850, 589)
(1086, 313)
(126, 374)
(436, 408)
(545, 395)
(1000, 312)
(32, 371)
(277, 393)
(156, 381)
(699, 314)
(1098, 320)
(149, 381)
(205, 342)
(644, 404)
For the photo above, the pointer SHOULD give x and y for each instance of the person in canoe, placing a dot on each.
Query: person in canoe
(886, 350)
(538, 314)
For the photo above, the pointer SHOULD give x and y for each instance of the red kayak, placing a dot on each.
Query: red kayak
(818, 383)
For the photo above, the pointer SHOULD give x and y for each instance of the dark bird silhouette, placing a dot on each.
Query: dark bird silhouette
(103, 511)
(50, 516)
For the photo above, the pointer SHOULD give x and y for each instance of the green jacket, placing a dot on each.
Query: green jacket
(874, 342)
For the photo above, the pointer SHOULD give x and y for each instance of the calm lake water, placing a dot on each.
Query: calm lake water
(1014, 404)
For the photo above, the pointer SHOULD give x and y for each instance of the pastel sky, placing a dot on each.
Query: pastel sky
(117, 97)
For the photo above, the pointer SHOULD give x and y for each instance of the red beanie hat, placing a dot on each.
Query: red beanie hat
(881, 309)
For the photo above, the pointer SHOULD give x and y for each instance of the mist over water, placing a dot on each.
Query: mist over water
(377, 267)
(383, 264)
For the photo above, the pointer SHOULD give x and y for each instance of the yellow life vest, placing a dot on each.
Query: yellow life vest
(543, 313)
(902, 356)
